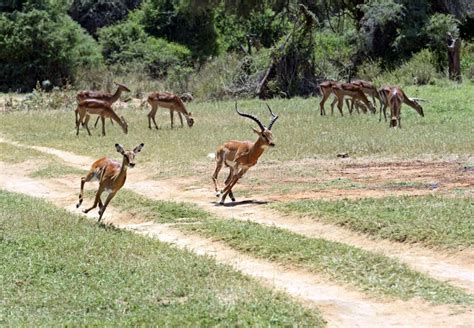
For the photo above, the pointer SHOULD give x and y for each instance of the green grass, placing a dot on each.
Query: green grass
(429, 220)
(299, 133)
(369, 272)
(55, 170)
(14, 154)
(57, 269)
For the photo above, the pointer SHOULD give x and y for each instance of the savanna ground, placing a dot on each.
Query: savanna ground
(382, 237)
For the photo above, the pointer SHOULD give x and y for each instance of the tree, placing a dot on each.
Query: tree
(38, 46)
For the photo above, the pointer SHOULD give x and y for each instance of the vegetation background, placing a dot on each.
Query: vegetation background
(222, 49)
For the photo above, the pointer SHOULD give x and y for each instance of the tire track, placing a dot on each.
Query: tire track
(456, 269)
(342, 307)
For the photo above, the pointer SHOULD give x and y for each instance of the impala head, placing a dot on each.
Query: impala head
(122, 87)
(124, 125)
(417, 107)
(189, 119)
(264, 133)
(129, 155)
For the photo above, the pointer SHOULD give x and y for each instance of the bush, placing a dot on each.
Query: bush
(37, 46)
(369, 70)
(128, 43)
(419, 70)
(183, 23)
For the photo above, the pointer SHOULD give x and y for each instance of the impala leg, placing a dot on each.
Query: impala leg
(96, 200)
(231, 184)
(76, 114)
(151, 116)
(219, 163)
(332, 105)
(96, 121)
(351, 106)
(107, 201)
(85, 179)
(102, 118)
(229, 178)
(340, 104)
(86, 121)
(172, 118)
(321, 104)
(181, 118)
(78, 123)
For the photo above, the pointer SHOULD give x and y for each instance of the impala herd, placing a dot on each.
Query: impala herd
(238, 156)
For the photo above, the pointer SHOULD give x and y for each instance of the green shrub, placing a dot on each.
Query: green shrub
(38, 45)
(332, 53)
(128, 43)
(182, 22)
(369, 70)
(419, 70)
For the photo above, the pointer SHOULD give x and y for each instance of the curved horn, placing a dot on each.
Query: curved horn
(274, 117)
(262, 127)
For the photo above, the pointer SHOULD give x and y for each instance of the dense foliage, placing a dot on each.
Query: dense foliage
(37, 45)
(174, 39)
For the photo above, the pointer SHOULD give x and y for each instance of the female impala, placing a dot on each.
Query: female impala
(111, 176)
(390, 92)
(103, 96)
(170, 101)
(240, 156)
(98, 107)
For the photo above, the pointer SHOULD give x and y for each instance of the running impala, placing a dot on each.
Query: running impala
(111, 176)
(240, 156)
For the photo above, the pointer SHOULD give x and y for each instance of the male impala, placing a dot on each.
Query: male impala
(97, 107)
(111, 176)
(240, 156)
(103, 96)
(395, 96)
(170, 101)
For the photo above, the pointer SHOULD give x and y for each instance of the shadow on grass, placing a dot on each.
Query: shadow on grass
(242, 202)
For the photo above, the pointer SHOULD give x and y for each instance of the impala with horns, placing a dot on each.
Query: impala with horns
(97, 107)
(240, 156)
(102, 96)
(111, 176)
(171, 102)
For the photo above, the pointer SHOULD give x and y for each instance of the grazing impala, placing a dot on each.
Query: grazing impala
(173, 103)
(340, 90)
(369, 89)
(111, 176)
(394, 97)
(240, 156)
(103, 96)
(97, 107)
(348, 89)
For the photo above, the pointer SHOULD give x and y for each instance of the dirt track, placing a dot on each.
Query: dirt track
(340, 305)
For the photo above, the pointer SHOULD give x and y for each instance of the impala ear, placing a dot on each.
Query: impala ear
(138, 148)
(256, 131)
(119, 148)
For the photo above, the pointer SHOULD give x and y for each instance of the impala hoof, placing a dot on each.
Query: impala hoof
(232, 199)
(221, 202)
(218, 193)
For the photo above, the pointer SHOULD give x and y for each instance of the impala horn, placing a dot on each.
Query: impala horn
(262, 127)
(274, 117)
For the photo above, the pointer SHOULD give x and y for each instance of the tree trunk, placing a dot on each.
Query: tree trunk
(454, 58)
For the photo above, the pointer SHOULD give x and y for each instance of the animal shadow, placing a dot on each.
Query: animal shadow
(242, 202)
